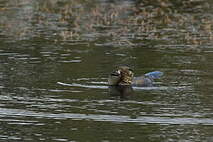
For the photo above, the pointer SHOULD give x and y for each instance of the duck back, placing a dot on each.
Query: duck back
(142, 81)
(147, 79)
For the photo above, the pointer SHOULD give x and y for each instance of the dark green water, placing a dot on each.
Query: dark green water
(54, 86)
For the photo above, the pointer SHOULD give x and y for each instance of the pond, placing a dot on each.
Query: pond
(55, 58)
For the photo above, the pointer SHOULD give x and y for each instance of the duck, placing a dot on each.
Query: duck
(124, 76)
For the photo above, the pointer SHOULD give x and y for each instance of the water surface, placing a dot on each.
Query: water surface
(53, 73)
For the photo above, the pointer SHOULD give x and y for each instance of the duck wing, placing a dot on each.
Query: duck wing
(154, 75)
(142, 81)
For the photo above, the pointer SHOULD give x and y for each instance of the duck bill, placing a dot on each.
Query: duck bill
(114, 78)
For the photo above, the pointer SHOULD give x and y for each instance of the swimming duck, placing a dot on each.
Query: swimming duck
(124, 75)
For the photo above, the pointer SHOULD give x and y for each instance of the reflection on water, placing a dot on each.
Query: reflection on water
(122, 91)
(55, 57)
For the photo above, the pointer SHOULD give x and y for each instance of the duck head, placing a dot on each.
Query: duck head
(122, 76)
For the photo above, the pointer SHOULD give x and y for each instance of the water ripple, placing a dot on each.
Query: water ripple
(107, 118)
(135, 88)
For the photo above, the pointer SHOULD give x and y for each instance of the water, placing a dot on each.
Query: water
(53, 83)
